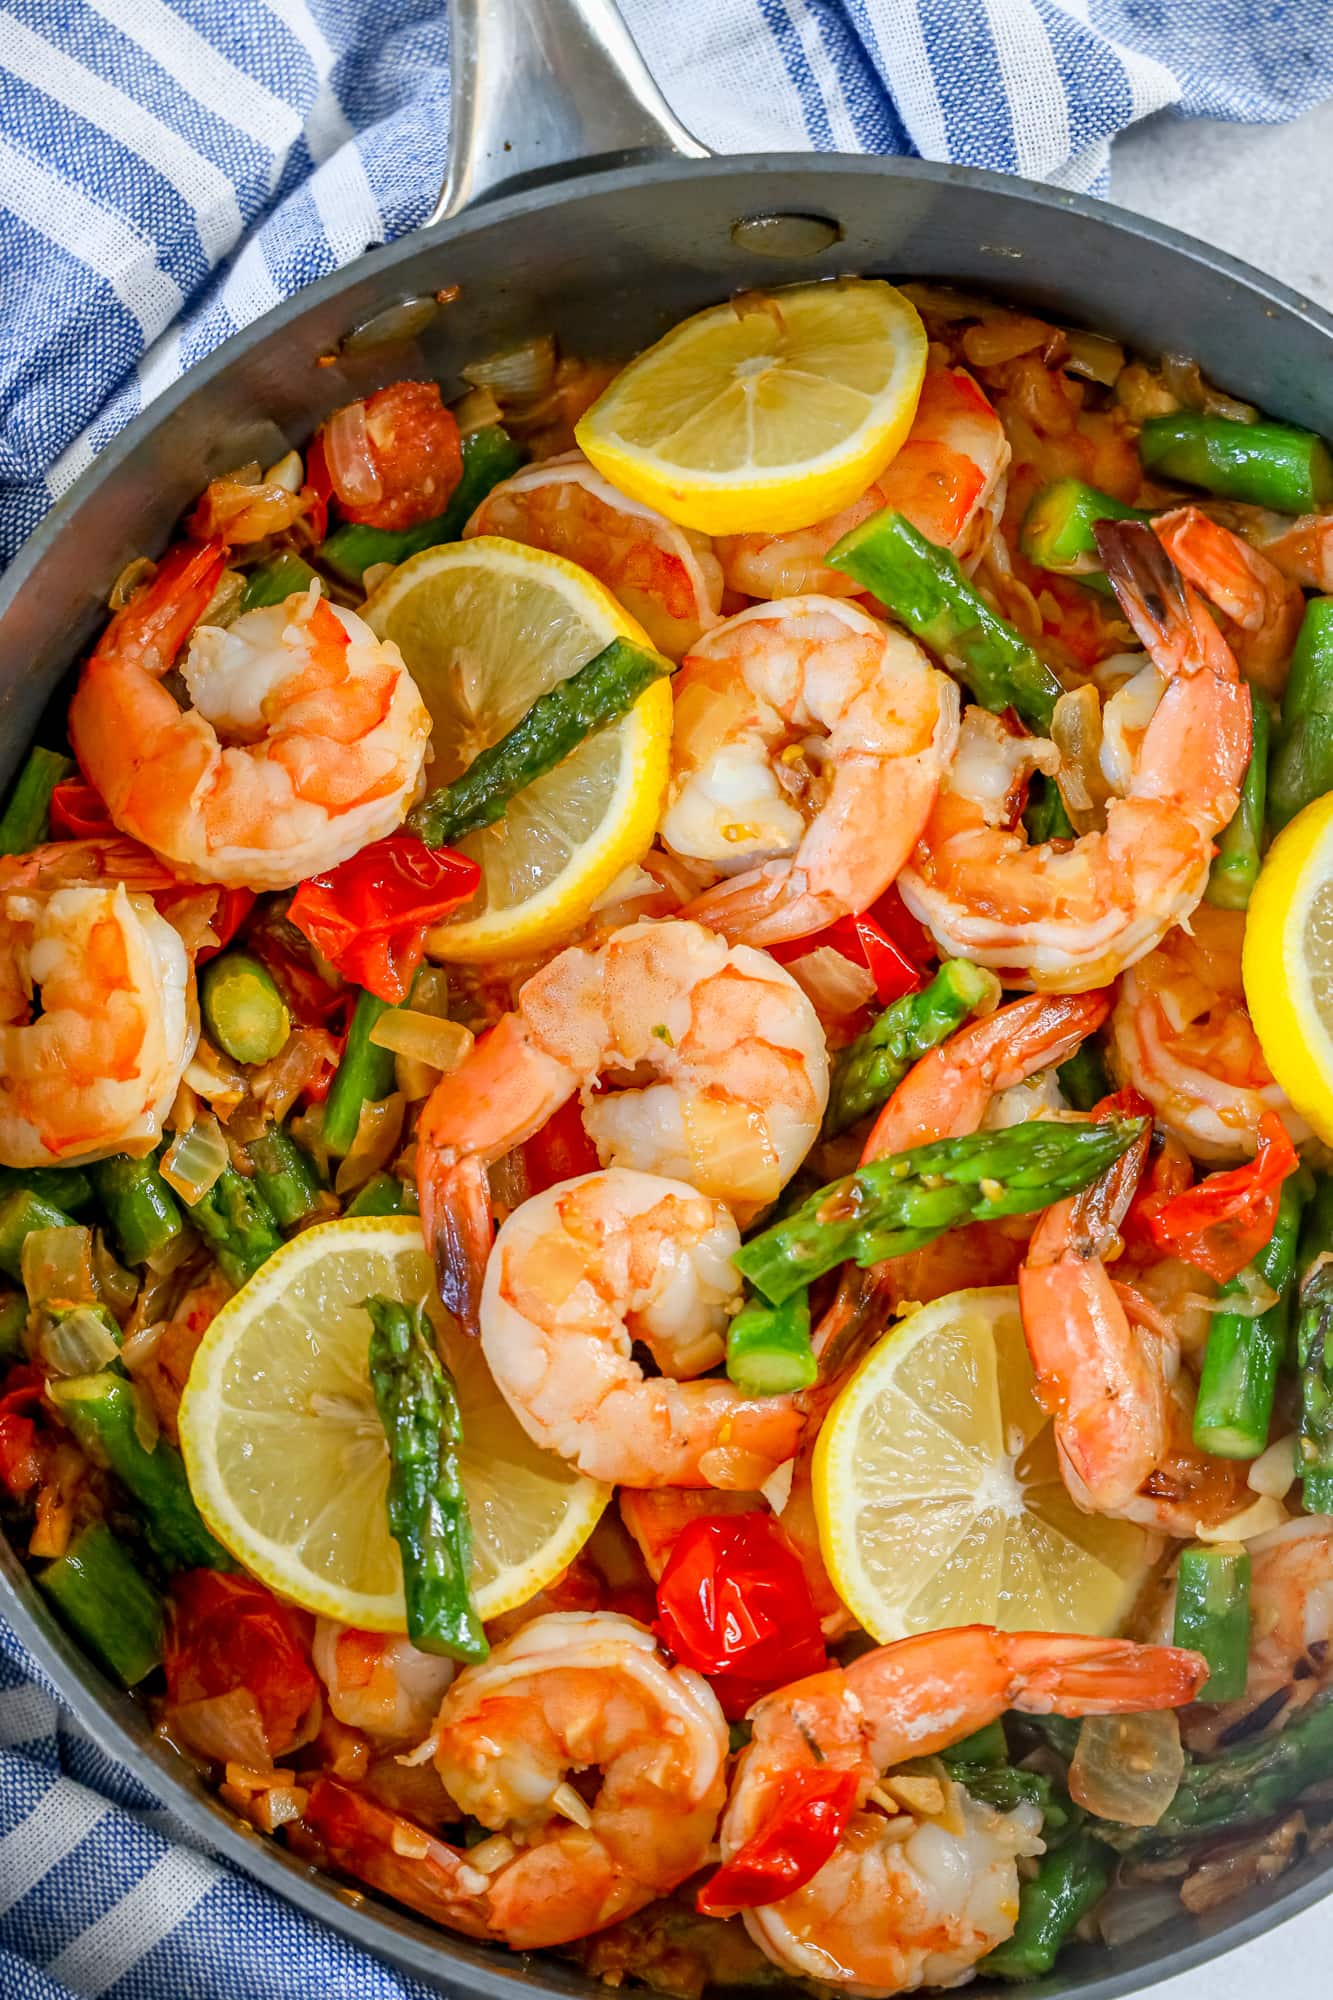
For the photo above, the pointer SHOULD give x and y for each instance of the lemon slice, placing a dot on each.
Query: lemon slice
(764, 414)
(287, 1457)
(485, 627)
(938, 1491)
(1288, 963)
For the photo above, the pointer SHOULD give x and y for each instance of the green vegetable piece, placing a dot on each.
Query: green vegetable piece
(1213, 1615)
(26, 820)
(1241, 1361)
(985, 1749)
(287, 1178)
(143, 1212)
(1300, 768)
(908, 1199)
(1239, 856)
(1314, 1349)
(1268, 465)
(383, 1194)
(237, 1224)
(68, 1187)
(923, 586)
(428, 1515)
(868, 1071)
(601, 691)
(13, 1321)
(22, 1211)
(1070, 1881)
(365, 1074)
(276, 580)
(1057, 529)
(100, 1410)
(1044, 815)
(489, 455)
(1085, 1079)
(103, 1596)
(242, 1008)
(768, 1347)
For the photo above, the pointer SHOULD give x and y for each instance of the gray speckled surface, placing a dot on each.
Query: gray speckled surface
(1261, 192)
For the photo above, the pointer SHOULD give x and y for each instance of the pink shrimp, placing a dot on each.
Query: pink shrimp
(1264, 608)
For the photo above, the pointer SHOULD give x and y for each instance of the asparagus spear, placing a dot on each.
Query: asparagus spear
(22, 1211)
(899, 1203)
(868, 1071)
(242, 1008)
(1085, 1079)
(102, 1593)
(1057, 529)
(1044, 815)
(603, 689)
(923, 586)
(1236, 864)
(489, 455)
(100, 1410)
(1213, 1614)
(1301, 766)
(365, 1074)
(383, 1194)
(26, 820)
(142, 1210)
(1269, 465)
(1240, 1364)
(286, 1178)
(428, 1515)
(1070, 1880)
(68, 1187)
(1314, 1350)
(276, 580)
(768, 1347)
(13, 1320)
(237, 1224)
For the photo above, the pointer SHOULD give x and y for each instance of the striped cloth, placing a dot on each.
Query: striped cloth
(170, 171)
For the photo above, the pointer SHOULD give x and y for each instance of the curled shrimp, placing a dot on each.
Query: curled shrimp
(721, 1056)
(1302, 549)
(378, 1682)
(305, 741)
(665, 576)
(806, 751)
(581, 1273)
(1263, 608)
(98, 1016)
(924, 1880)
(1068, 915)
(948, 479)
(585, 1271)
(1181, 1034)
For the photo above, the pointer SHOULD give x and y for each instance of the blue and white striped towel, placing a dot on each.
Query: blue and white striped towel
(170, 171)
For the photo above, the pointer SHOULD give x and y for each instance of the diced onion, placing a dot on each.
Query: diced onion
(303, 1058)
(430, 989)
(1182, 377)
(214, 1077)
(836, 987)
(194, 1160)
(1132, 1910)
(224, 605)
(1076, 731)
(424, 1037)
(373, 576)
(79, 1343)
(139, 1347)
(525, 370)
(227, 1728)
(57, 1265)
(1003, 338)
(142, 570)
(117, 1288)
(352, 468)
(1094, 356)
(286, 471)
(378, 1130)
(1273, 1472)
(476, 411)
(146, 1425)
(1127, 1767)
(1259, 1519)
(1255, 1296)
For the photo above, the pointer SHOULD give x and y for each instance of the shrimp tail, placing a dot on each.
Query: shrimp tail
(1150, 590)
(456, 1217)
(1059, 1674)
(770, 905)
(163, 612)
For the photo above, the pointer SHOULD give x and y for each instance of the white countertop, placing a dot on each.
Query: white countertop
(1261, 192)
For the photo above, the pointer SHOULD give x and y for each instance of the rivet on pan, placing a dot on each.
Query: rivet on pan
(393, 326)
(785, 235)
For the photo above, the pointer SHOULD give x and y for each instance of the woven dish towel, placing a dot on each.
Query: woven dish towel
(170, 171)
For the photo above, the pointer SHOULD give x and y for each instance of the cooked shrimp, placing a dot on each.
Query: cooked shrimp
(917, 1897)
(656, 1517)
(665, 576)
(379, 1683)
(1263, 608)
(948, 479)
(305, 741)
(721, 1055)
(98, 1017)
(577, 1276)
(1181, 1034)
(1301, 549)
(1069, 915)
(570, 1693)
(808, 744)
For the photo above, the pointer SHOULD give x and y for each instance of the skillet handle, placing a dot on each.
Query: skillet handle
(543, 88)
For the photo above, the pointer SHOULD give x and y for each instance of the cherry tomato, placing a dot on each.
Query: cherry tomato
(369, 916)
(807, 1819)
(415, 449)
(228, 1632)
(734, 1604)
(234, 906)
(1167, 1174)
(78, 812)
(560, 1151)
(1221, 1224)
(20, 1452)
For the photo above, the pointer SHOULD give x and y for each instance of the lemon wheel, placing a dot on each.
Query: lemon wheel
(1288, 963)
(766, 413)
(938, 1490)
(485, 627)
(287, 1458)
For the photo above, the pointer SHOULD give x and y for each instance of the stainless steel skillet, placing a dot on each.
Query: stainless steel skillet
(575, 201)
